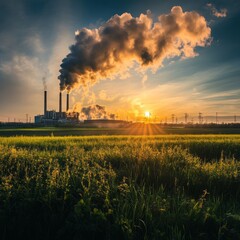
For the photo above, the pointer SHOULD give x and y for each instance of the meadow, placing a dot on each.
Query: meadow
(134, 129)
(120, 187)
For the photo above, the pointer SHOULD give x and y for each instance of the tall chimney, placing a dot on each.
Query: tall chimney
(60, 104)
(45, 103)
(67, 107)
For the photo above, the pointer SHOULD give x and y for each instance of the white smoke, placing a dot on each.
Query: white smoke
(95, 112)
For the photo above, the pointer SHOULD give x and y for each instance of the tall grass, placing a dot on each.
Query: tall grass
(161, 187)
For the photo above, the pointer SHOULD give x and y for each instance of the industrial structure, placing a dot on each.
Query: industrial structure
(53, 117)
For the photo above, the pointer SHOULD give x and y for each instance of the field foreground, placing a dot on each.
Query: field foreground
(120, 187)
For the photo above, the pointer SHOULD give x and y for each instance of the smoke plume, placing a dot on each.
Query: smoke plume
(116, 46)
(95, 112)
(44, 83)
(44, 79)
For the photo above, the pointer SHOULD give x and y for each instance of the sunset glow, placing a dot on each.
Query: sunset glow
(119, 119)
(147, 114)
(170, 58)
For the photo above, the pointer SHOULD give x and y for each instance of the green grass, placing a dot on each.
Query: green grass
(120, 187)
(142, 129)
(56, 131)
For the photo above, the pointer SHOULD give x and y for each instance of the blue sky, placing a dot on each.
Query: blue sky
(35, 36)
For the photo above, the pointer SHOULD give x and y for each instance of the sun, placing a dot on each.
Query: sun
(147, 114)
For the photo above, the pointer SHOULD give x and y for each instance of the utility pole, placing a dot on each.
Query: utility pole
(26, 118)
(235, 118)
(216, 117)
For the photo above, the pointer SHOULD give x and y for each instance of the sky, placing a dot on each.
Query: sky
(197, 69)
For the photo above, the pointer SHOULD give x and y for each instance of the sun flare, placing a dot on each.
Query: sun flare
(147, 114)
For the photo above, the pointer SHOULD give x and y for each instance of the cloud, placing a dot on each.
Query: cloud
(19, 82)
(144, 79)
(102, 95)
(25, 70)
(31, 54)
(137, 107)
(19, 65)
(34, 43)
(125, 42)
(217, 13)
(131, 107)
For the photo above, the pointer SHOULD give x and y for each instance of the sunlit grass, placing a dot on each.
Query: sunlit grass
(118, 187)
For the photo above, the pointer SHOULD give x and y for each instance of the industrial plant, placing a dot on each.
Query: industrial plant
(53, 117)
(97, 116)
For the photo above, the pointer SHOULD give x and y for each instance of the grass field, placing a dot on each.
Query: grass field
(120, 187)
(138, 129)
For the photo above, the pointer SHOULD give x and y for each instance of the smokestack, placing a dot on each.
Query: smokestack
(67, 107)
(45, 103)
(60, 103)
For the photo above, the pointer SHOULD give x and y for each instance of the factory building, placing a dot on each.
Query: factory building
(53, 117)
